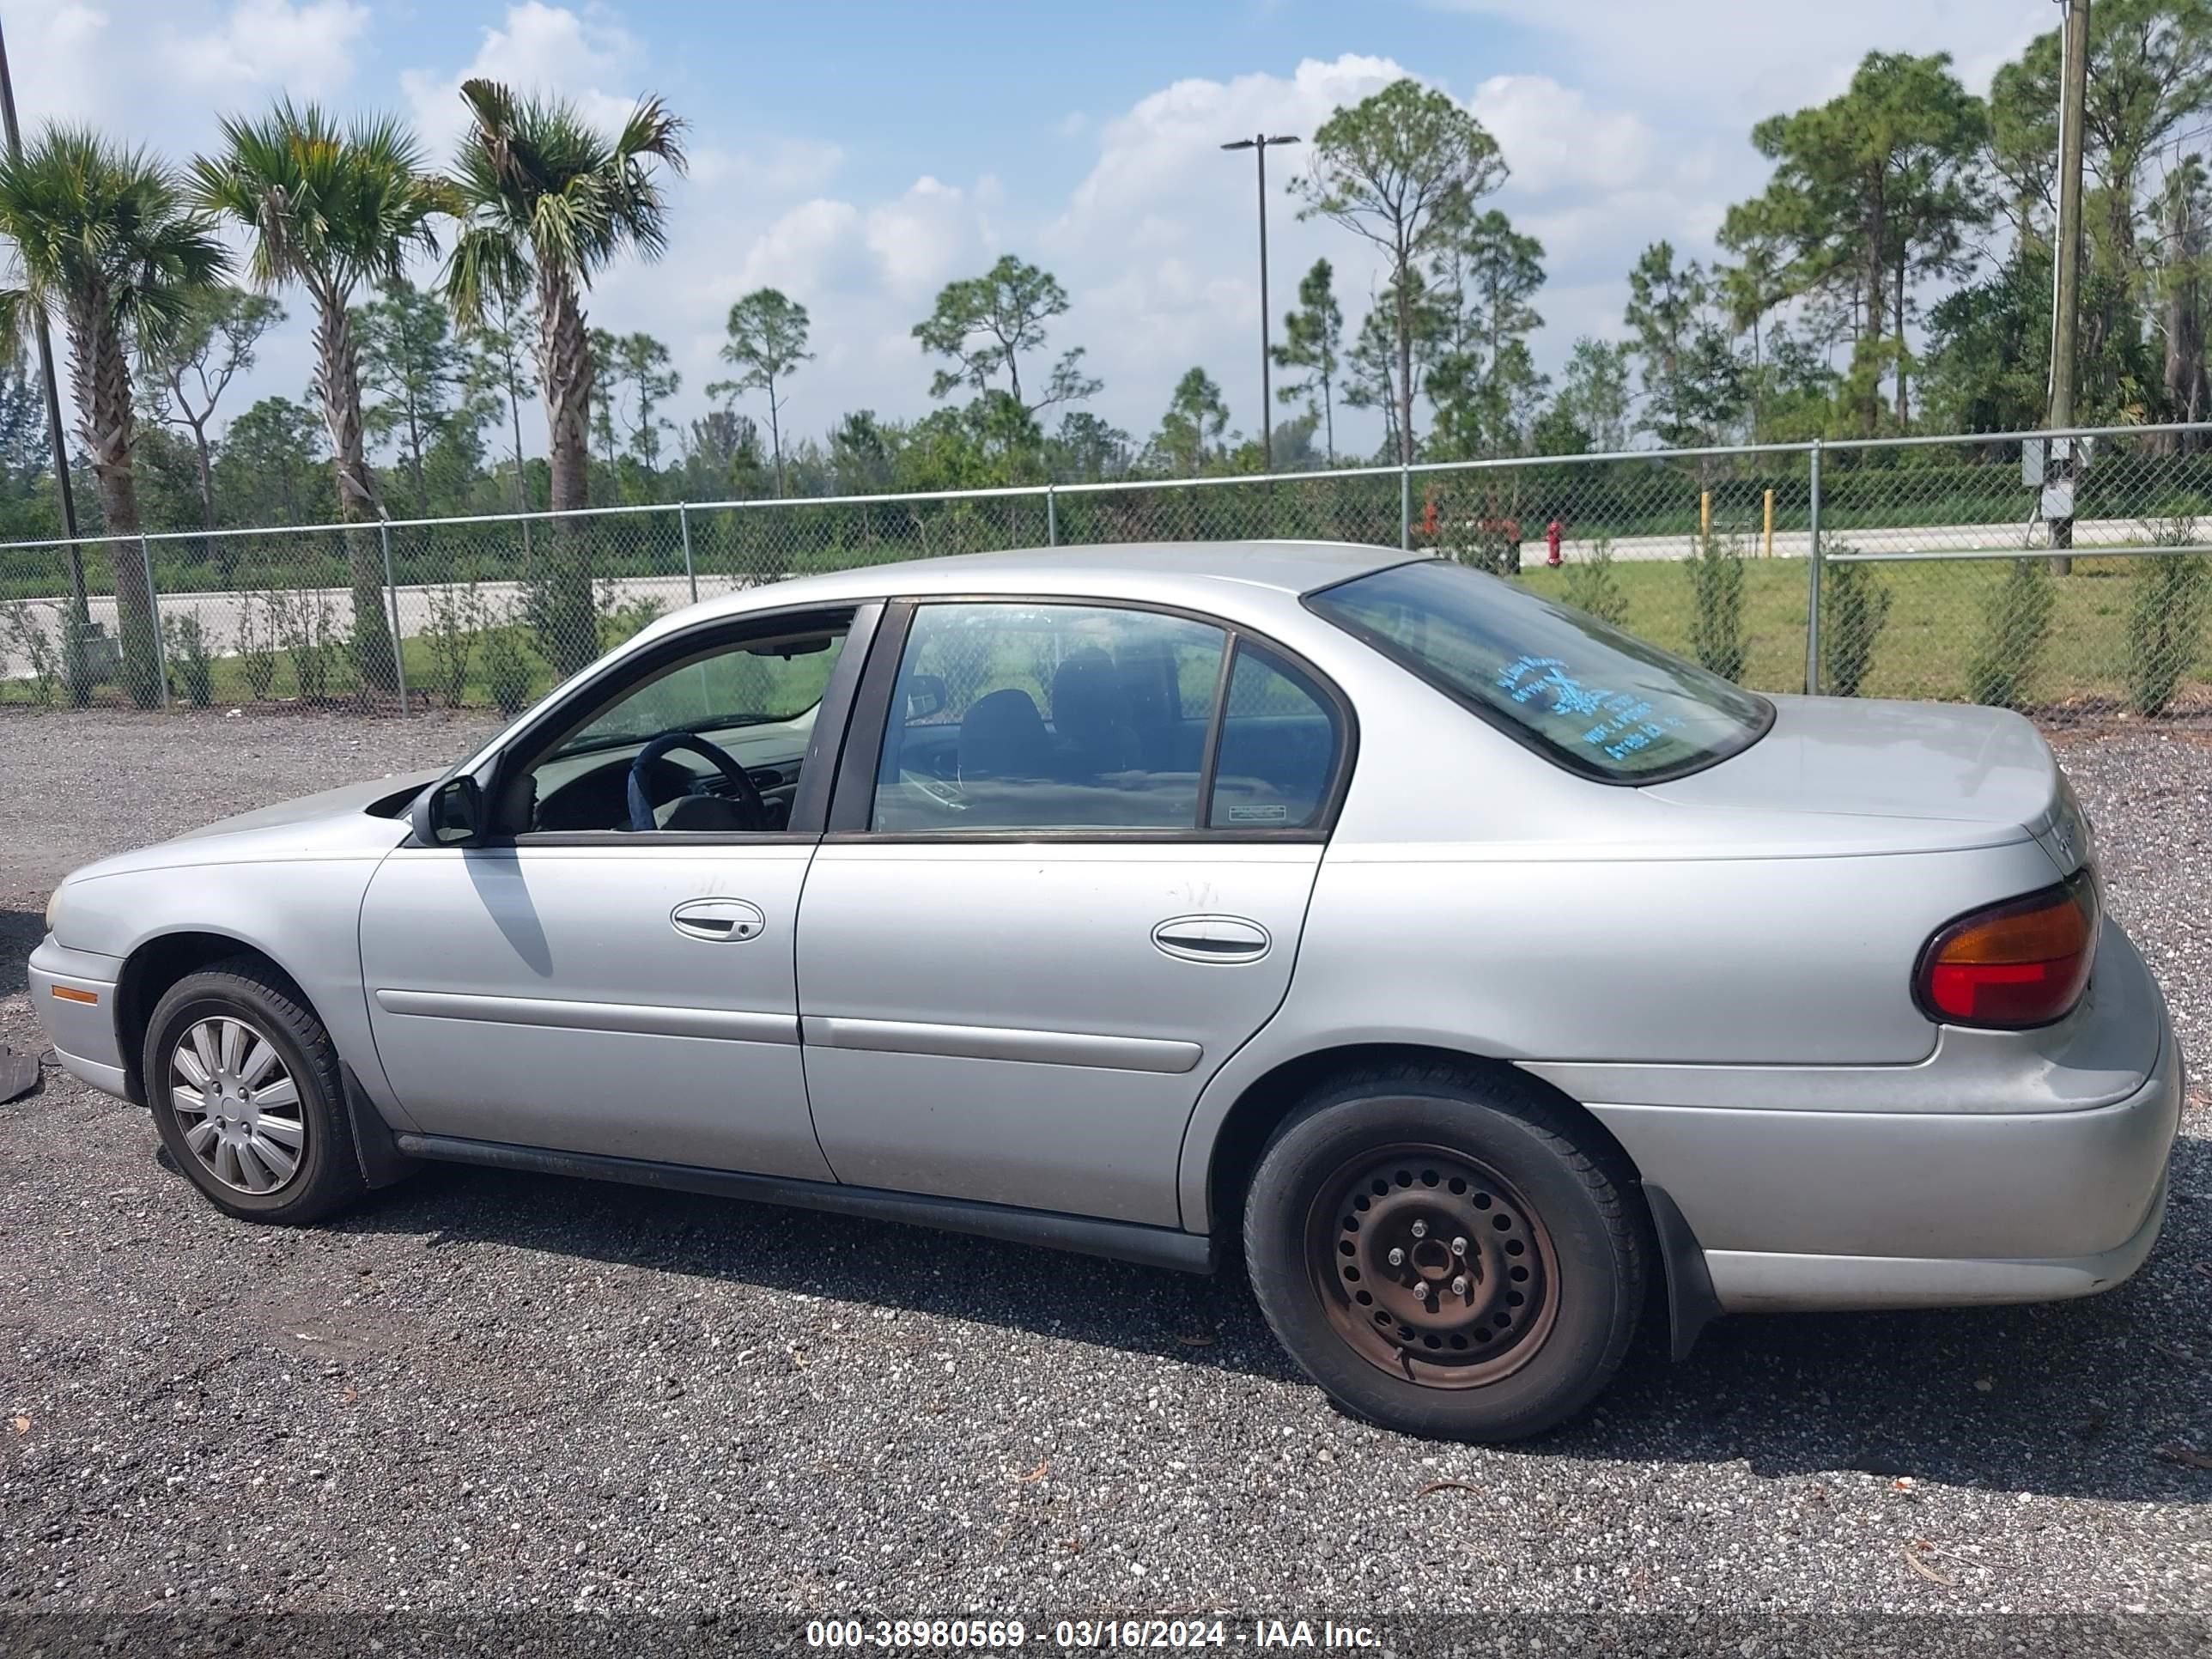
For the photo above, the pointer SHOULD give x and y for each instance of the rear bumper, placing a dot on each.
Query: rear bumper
(83, 1031)
(1751, 1281)
(1829, 1210)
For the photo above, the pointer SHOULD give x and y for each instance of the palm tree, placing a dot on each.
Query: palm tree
(332, 209)
(545, 199)
(103, 241)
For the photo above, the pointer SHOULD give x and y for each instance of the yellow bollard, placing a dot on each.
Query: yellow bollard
(1704, 515)
(1770, 524)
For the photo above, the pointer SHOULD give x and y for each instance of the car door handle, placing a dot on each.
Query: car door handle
(1212, 938)
(717, 919)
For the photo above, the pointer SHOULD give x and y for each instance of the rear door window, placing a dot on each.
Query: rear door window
(1279, 739)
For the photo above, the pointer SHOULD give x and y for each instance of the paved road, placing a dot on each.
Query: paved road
(221, 613)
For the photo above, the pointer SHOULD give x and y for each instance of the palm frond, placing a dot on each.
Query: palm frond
(536, 170)
(19, 309)
(102, 233)
(332, 208)
(486, 264)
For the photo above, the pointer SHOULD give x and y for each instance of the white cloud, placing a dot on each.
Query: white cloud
(1553, 138)
(1734, 61)
(787, 166)
(926, 237)
(588, 57)
(306, 50)
(67, 45)
(1157, 244)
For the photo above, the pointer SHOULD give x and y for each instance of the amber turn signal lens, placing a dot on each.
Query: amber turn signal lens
(2023, 962)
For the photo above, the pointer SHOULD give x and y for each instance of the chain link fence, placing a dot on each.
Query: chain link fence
(2052, 573)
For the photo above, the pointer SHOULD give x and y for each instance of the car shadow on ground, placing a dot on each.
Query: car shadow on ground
(2081, 1399)
(20, 933)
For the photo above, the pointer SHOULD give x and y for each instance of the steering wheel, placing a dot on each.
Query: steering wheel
(747, 794)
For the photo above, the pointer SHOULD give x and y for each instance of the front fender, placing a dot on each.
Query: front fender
(304, 917)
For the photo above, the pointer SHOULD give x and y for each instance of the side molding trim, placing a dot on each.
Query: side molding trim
(905, 1036)
(733, 1025)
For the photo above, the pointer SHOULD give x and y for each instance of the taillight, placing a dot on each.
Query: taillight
(2020, 964)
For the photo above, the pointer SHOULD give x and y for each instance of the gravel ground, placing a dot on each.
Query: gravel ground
(488, 1391)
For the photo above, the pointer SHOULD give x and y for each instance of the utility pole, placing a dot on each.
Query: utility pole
(57, 440)
(2067, 256)
(1257, 143)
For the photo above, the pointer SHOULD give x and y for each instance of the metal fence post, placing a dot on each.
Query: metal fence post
(1813, 584)
(391, 598)
(683, 528)
(154, 610)
(1405, 507)
(1051, 517)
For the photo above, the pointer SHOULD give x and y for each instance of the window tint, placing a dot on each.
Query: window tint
(747, 709)
(1593, 698)
(1279, 744)
(751, 685)
(1020, 716)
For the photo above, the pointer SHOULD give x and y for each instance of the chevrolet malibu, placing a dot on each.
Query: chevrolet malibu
(1486, 973)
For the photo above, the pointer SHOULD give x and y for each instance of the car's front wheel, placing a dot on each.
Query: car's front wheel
(1446, 1254)
(247, 1096)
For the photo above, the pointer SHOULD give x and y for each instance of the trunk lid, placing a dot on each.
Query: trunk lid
(1969, 768)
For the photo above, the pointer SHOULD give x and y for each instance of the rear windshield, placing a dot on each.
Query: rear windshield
(1580, 691)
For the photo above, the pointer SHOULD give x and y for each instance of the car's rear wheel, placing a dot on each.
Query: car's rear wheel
(1447, 1253)
(247, 1096)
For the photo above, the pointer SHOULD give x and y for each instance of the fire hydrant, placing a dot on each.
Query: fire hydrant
(1551, 532)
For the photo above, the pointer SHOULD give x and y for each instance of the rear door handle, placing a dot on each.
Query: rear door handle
(1212, 938)
(715, 920)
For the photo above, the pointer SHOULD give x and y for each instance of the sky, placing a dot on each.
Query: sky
(860, 153)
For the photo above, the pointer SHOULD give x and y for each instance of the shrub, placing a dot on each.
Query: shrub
(1717, 607)
(2166, 618)
(557, 600)
(1854, 605)
(2015, 624)
(457, 622)
(1592, 587)
(304, 627)
(619, 620)
(255, 642)
(506, 665)
(191, 664)
(22, 630)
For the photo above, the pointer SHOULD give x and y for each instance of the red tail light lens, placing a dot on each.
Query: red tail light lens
(2020, 964)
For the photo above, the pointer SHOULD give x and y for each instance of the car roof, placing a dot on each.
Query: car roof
(1168, 572)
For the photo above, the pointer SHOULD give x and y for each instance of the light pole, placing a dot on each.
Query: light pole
(1258, 143)
(73, 642)
(2066, 276)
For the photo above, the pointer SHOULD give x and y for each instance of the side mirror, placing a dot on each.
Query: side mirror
(926, 694)
(449, 814)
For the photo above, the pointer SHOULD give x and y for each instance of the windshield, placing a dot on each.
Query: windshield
(1580, 691)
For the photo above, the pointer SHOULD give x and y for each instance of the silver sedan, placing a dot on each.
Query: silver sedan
(1486, 973)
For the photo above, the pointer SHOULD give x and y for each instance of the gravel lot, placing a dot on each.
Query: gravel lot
(491, 1391)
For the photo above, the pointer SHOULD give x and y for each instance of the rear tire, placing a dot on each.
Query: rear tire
(248, 1096)
(1520, 1249)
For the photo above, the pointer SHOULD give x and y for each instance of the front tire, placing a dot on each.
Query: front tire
(1446, 1254)
(247, 1096)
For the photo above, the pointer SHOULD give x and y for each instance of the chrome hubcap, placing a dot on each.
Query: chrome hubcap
(237, 1104)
